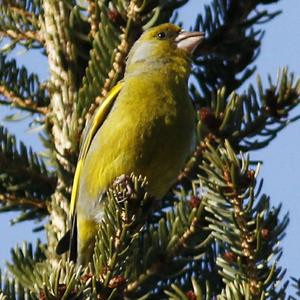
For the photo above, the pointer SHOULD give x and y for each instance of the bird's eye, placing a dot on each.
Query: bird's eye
(162, 35)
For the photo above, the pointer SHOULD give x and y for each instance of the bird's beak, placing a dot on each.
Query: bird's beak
(189, 41)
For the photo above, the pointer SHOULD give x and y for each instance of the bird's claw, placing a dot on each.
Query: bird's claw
(125, 188)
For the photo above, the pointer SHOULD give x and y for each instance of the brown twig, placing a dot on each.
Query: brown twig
(93, 18)
(23, 35)
(191, 168)
(32, 18)
(23, 201)
(18, 102)
(247, 238)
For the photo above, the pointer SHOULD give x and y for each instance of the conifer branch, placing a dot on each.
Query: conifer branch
(27, 7)
(274, 103)
(13, 166)
(252, 120)
(123, 217)
(248, 232)
(296, 286)
(25, 183)
(232, 44)
(179, 239)
(12, 200)
(29, 16)
(22, 35)
(20, 88)
(20, 24)
(24, 104)
(26, 264)
(161, 263)
(249, 121)
(93, 17)
(10, 289)
(63, 65)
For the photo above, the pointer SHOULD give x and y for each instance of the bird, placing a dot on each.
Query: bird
(146, 126)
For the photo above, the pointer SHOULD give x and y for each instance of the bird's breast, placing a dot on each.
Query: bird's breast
(149, 131)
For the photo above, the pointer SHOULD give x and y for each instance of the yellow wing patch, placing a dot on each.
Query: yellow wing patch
(89, 132)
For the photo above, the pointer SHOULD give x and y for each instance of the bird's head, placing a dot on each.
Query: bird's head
(164, 43)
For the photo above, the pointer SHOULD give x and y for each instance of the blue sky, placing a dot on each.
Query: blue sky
(281, 167)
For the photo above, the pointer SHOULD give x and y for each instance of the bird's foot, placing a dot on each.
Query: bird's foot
(125, 188)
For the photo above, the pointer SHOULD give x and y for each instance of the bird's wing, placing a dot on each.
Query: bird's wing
(87, 137)
(69, 240)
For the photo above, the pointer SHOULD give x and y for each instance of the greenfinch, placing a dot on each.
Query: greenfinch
(146, 126)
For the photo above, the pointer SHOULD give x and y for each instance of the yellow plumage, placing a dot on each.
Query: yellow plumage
(146, 126)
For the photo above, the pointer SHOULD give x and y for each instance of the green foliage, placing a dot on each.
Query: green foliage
(166, 251)
(245, 226)
(250, 121)
(296, 285)
(232, 45)
(41, 279)
(20, 89)
(25, 182)
(23, 263)
(12, 290)
(19, 21)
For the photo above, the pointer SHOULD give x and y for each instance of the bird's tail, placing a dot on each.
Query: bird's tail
(69, 242)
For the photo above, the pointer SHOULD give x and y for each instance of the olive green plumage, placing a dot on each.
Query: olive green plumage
(147, 127)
